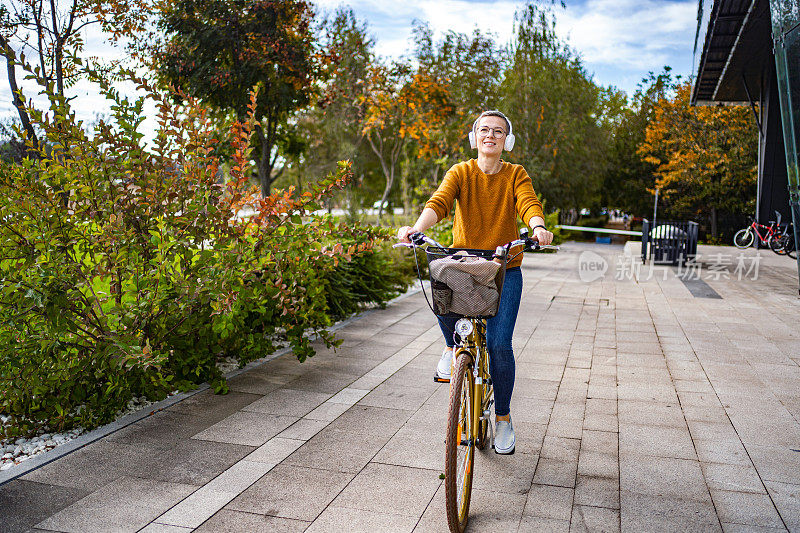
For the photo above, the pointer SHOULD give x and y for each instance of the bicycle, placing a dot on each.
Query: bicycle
(744, 238)
(783, 242)
(471, 393)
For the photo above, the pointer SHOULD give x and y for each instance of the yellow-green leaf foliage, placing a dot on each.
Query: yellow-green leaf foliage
(705, 156)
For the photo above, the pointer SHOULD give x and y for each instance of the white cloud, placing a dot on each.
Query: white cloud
(619, 40)
(390, 21)
(464, 17)
(631, 34)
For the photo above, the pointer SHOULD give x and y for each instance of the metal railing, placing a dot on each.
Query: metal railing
(669, 241)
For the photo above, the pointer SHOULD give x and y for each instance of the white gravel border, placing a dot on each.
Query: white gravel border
(16, 451)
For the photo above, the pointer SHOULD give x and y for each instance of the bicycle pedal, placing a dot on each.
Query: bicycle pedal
(437, 379)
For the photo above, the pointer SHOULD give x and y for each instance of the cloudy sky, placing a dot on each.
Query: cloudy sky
(620, 41)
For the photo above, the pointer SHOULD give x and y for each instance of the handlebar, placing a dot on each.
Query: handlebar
(530, 244)
(418, 239)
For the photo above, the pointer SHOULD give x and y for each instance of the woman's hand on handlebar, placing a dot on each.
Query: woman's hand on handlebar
(404, 232)
(543, 236)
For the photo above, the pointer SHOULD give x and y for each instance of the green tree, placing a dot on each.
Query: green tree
(52, 32)
(629, 180)
(558, 111)
(331, 129)
(471, 68)
(218, 51)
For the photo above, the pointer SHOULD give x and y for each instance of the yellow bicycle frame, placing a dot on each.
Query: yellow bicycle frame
(474, 344)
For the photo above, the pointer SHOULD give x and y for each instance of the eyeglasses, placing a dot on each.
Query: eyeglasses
(495, 132)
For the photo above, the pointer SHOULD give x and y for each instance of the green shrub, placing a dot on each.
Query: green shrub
(369, 279)
(124, 272)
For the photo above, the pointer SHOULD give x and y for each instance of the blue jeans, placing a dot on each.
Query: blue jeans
(498, 339)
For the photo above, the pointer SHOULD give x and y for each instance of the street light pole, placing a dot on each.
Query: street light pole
(655, 210)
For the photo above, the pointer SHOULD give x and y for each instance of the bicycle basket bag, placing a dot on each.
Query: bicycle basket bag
(465, 283)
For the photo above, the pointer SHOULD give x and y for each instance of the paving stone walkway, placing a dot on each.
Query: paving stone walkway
(638, 407)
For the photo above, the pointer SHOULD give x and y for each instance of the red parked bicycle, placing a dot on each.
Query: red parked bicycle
(744, 238)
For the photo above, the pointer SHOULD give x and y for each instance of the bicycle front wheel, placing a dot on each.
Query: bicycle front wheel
(743, 238)
(460, 444)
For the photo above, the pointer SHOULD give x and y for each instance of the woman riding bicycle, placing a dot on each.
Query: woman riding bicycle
(488, 193)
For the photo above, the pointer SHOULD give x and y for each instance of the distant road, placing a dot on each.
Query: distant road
(340, 212)
(248, 212)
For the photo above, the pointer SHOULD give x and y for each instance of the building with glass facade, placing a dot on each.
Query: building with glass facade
(747, 52)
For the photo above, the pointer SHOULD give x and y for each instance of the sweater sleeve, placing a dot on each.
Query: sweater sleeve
(442, 200)
(528, 205)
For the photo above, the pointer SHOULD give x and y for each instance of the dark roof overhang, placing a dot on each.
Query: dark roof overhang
(738, 42)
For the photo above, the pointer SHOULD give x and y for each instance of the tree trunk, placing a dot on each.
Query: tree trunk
(388, 170)
(386, 191)
(10, 56)
(405, 186)
(59, 68)
(714, 223)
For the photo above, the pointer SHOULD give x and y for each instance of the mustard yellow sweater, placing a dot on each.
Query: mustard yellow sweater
(486, 205)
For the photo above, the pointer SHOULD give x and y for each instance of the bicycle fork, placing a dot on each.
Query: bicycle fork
(485, 413)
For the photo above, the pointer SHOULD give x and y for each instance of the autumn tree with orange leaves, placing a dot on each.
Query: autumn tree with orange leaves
(472, 68)
(402, 106)
(705, 157)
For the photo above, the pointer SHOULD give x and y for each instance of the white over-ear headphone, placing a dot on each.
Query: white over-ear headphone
(509, 143)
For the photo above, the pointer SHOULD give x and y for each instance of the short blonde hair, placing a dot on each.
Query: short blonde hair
(492, 113)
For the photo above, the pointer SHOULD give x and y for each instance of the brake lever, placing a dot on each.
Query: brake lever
(532, 245)
(417, 238)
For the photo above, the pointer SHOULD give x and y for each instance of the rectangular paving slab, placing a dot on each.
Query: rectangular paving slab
(294, 492)
(24, 504)
(126, 504)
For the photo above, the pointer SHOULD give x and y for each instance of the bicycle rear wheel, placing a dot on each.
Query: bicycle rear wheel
(778, 244)
(744, 238)
(459, 444)
(789, 246)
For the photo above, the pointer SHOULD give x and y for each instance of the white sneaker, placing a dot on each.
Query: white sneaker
(443, 369)
(504, 439)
